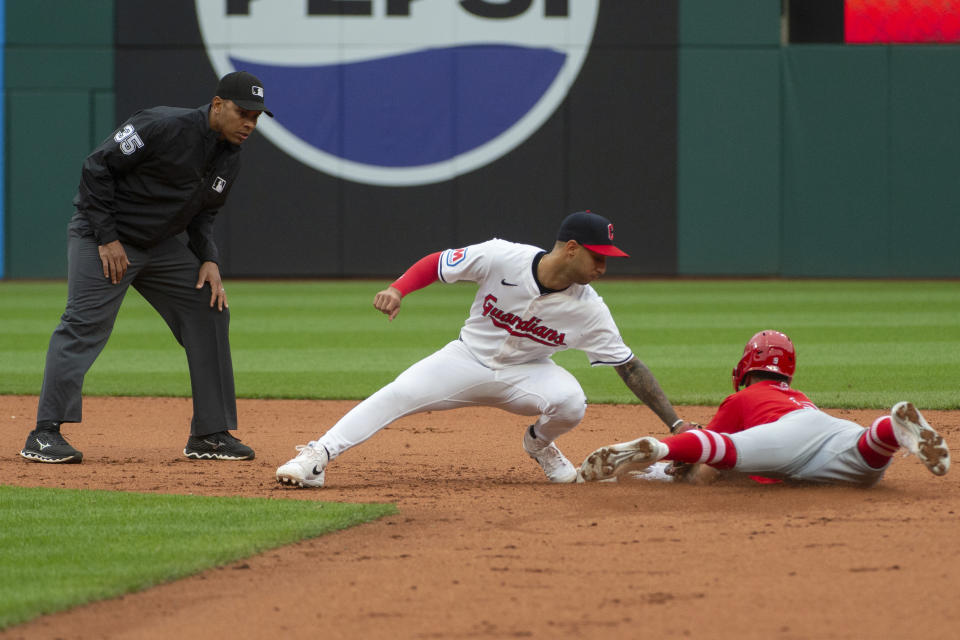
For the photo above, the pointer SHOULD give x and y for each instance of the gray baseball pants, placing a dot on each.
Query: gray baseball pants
(166, 276)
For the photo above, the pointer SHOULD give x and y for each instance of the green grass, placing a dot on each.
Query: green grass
(861, 343)
(111, 543)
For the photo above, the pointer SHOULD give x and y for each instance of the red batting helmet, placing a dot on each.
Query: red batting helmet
(766, 351)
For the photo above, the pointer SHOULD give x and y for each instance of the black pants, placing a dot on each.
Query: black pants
(166, 276)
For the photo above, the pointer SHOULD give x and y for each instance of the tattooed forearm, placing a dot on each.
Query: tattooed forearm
(640, 380)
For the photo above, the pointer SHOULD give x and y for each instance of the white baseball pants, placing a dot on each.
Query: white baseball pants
(451, 378)
(806, 445)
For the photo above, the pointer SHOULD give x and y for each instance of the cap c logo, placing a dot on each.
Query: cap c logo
(402, 92)
(610, 231)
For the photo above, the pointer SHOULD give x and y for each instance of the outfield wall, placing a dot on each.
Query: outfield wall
(59, 100)
(813, 160)
(715, 148)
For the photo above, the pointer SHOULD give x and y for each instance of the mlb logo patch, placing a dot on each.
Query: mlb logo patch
(455, 256)
(257, 91)
(219, 184)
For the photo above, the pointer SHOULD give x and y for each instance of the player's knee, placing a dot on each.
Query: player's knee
(215, 320)
(569, 409)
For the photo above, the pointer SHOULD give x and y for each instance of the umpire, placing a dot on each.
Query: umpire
(166, 170)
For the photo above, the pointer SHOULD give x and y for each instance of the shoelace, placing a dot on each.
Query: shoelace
(52, 437)
(550, 456)
(310, 452)
(221, 438)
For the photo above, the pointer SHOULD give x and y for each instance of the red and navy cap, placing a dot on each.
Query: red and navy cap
(590, 230)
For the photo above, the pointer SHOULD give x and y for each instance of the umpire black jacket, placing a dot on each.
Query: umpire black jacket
(162, 172)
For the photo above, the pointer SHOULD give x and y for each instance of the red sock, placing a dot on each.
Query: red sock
(878, 443)
(702, 445)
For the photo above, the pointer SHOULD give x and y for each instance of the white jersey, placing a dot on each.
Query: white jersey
(512, 322)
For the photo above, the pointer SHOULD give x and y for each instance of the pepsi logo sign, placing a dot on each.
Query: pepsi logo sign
(402, 92)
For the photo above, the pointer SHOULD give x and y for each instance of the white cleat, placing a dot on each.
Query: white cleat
(657, 472)
(919, 438)
(307, 469)
(548, 456)
(617, 459)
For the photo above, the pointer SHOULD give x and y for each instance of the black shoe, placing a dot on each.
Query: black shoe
(47, 445)
(217, 446)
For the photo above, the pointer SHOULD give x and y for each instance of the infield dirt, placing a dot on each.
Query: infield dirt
(484, 547)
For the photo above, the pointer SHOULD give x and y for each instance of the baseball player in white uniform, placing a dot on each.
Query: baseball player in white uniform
(773, 433)
(530, 303)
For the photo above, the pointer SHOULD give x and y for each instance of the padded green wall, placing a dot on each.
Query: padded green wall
(813, 160)
(729, 23)
(835, 212)
(924, 153)
(728, 161)
(728, 138)
(59, 89)
(870, 162)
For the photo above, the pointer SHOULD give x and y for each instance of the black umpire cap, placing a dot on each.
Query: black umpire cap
(244, 89)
